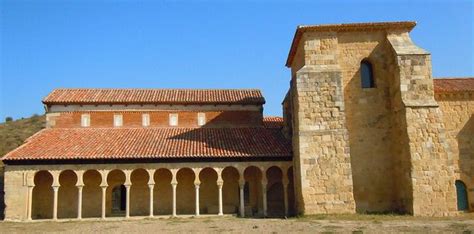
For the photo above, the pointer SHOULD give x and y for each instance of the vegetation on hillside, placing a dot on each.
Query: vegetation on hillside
(14, 132)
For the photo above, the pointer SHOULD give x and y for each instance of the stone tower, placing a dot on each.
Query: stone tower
(381, 149)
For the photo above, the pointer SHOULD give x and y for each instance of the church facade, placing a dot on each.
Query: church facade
(365, 128)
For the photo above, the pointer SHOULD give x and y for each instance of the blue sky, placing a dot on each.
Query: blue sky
(193, 44)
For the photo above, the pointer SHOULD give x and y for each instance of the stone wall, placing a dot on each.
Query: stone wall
(458, 110)
(368, 117)
(384, 147)
(426, 171)
(320, 137)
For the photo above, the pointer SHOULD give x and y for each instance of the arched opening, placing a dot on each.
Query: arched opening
(253, 191)
(185, 192)
(291, 193)
(42, 203)
(91, 194)
(139, 193)
(162, 192)
(366, 74)
(461, 193)
(275, 194)
(116, 194)
(230, 190)
(67, 195)
(208, 192)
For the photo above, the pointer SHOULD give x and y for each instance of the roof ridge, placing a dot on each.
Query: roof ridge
(154, 96)
(164, 89)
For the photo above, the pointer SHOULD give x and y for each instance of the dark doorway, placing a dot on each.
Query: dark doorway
(461, 195)
(119, 196)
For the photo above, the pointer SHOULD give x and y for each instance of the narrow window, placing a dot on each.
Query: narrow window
(85, 120)
(145, 120)
(174, 119)
(201, 119)
(366, 74)
(118, 121)
(461, 193)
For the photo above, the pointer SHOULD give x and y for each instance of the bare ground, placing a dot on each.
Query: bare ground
(308, 224)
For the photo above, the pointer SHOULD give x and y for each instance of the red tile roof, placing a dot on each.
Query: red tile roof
(452, 85)
(272, 122)
(152, 143)
(155, 96)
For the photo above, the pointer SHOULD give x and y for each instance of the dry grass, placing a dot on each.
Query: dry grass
(14, 133)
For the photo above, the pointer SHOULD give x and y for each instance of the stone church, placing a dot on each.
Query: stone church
(365, 129)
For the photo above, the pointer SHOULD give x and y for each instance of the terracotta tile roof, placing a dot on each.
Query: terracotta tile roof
(272, 122)
(301, 29)
(155, 96)
(452, 85)
(152, 143)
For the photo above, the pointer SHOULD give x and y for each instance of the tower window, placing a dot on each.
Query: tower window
(85, 120)
(366, 74)
(118, 122)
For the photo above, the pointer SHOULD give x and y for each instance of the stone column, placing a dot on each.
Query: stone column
(264, 197)
(127, 201)
(196, 186)
(104, 185)
(79, 201)
(219, 185)
(197, 182)
(79, 185)
(151, 186)
(30, 202)
(127, 184)
(285, 181)
(55, 202)
(173, 185)
(55, 186)
(104, 190)
(285, 197)
(242, 198)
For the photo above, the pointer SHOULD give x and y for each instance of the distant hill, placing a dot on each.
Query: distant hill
(14, 133)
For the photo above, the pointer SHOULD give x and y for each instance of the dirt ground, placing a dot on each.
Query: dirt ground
(310, 224)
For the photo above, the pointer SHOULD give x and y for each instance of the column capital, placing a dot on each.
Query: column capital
(220, 183)
(79, 175)
(104, 174)
(174, 183)
(127, 185)
(151, 176)
(55, 175)
(55, 187)
(197, 184)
